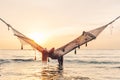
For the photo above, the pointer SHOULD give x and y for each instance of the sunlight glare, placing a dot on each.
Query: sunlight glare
(38, 37)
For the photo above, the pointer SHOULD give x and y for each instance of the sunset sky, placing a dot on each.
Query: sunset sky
(59, 21)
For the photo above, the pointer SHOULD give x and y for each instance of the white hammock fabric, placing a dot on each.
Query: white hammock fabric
(83, 39)
(23, 39)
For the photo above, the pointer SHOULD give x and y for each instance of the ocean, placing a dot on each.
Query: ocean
(85, 65)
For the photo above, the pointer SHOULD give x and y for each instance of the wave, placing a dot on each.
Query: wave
(118, 67)
(92, 62)
(2, 61)
(68, 61)
(22, 60)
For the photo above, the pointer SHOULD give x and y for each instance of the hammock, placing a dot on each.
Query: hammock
(23, 39)
(83, 39)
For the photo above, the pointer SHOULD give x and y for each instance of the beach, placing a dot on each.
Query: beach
(85, 65)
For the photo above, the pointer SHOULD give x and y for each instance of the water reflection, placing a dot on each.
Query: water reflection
(49, 73)
(52, 73)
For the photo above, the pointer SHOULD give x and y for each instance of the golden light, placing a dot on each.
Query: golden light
(38, 37)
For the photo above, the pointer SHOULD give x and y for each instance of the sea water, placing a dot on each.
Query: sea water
(85, 65)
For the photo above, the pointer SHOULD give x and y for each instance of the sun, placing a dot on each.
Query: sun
(38, 37)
